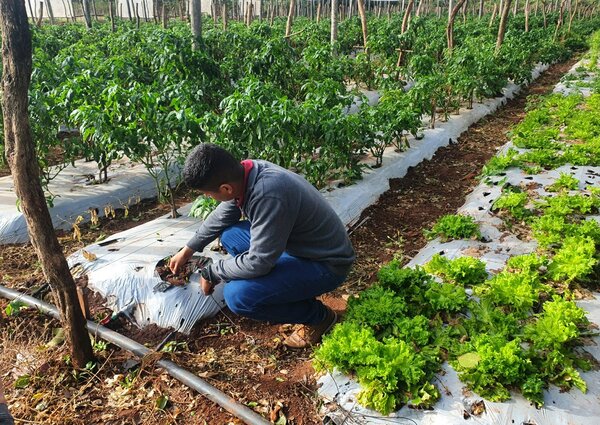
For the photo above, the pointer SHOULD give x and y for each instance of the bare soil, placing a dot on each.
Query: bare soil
(244, 358)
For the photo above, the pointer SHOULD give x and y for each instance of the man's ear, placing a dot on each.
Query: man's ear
(226, 188)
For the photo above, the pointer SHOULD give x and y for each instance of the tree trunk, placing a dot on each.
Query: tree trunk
(319, 12)
(363, 21)
(21, 156)
(334, 24)
(290, 18)
(450, 26)
(196, 23)
(224, 13)
(450, 8)
(516, 7)
(503, 22)
(526, 15)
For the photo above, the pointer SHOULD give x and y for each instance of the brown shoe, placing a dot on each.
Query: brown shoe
(308, 335)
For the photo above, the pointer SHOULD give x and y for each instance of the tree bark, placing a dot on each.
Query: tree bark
(21, 156)
(290, 18)
(450, 26)
(526, 15)
(503, 22)
(224, 13)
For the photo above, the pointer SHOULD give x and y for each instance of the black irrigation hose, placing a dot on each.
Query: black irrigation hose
(185, 377)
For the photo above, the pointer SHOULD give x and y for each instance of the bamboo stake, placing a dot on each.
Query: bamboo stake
(572, 15)
(493, 15)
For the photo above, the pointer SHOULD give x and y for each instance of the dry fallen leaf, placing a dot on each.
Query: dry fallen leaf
(89, 255)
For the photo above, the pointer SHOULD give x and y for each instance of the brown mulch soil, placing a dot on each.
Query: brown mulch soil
(246, 359)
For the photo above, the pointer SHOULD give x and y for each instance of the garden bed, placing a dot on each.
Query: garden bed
(500, 240)
(245, 358)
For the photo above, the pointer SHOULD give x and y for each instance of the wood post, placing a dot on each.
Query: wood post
(39, 21)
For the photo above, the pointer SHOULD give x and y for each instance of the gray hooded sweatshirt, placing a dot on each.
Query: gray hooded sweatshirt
(286, 213)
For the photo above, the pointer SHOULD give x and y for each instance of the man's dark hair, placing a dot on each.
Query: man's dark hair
(208, 166)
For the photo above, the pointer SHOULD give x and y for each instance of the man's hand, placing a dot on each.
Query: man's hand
(207, 286)
(178, 260)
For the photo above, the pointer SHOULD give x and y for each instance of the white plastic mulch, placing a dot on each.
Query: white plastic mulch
(76, 195)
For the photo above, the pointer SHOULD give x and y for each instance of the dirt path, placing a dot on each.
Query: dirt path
(245, 358)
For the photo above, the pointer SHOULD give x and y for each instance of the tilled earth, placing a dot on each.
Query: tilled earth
(241, 357)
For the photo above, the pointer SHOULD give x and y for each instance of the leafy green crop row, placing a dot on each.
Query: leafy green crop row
(520, 331)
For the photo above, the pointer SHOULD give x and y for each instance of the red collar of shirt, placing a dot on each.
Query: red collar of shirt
(248, 164)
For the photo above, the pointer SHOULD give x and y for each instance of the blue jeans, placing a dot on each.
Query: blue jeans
(284, 295)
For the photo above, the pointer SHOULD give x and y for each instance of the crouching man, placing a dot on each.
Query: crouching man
(287, 244)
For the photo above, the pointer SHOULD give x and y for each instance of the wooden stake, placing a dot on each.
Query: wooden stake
(85, 308)
(39, 21)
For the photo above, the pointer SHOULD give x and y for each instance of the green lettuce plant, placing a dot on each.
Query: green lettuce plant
(464, 271)
(454, 226)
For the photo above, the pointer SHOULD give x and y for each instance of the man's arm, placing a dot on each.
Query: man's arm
(225, 215)
(271, 226)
